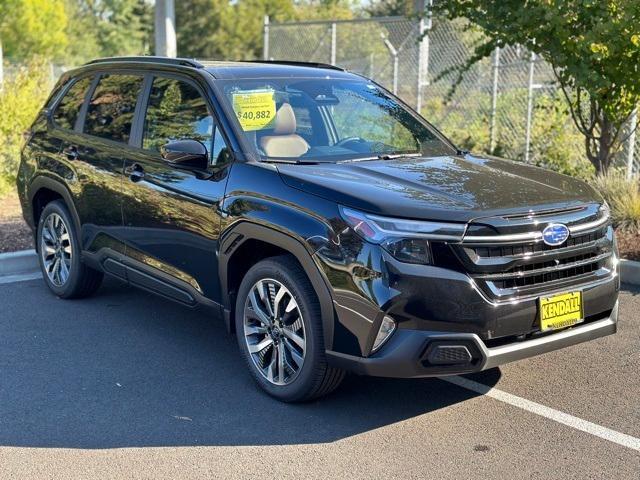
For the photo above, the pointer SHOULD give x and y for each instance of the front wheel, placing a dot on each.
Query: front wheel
(279, 331)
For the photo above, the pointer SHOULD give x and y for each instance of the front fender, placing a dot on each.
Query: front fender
(296, 232)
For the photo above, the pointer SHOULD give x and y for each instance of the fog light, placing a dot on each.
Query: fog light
(387, 327)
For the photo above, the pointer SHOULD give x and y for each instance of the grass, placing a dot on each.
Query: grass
(623, 196)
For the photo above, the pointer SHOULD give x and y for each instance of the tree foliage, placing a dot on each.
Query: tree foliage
(105, 28)
(384, 8)
(219, 29)
(33, 27)
(593, 45)
(21, 97)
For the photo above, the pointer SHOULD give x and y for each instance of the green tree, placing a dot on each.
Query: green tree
(197, 22)
(104, 28)
(33, 27)
(593, 45)
(326, 9)
(241, 33)
(21, 97)
(219, 29)
(384, 8)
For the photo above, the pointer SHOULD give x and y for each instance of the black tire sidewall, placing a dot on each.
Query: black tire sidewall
(305, 381)
(72, 282)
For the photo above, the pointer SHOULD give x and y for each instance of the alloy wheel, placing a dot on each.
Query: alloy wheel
(274, 331)
(55, 249)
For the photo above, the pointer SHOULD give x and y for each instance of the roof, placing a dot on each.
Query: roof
(239, 69)
(271, 69)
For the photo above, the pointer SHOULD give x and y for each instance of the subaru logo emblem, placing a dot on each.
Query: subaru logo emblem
(555, 234)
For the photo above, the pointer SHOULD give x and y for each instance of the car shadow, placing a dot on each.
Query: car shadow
(629, 288)
(128, 369)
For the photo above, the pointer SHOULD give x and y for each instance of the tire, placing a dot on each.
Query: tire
(297, 382)
(57, 241)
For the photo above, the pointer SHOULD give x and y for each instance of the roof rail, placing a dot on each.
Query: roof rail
(185, 62)
(298, 64)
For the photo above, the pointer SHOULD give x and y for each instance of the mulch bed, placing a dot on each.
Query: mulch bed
(629, 244)
(15, 235)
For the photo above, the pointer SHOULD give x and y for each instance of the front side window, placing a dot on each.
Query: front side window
(176, 111)
(112, 107)
(327, 120)
(67, 111)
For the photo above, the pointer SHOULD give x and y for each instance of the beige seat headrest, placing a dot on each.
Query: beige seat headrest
(284, 142)
(285, 122)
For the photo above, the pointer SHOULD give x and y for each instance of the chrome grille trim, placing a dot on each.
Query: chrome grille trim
(583, 227)
(515, 237)
(597, 277)
(532, 236)
(512, 266)
(483, 257)
(540, 271)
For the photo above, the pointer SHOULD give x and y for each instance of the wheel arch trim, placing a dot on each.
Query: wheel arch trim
(254, 231)
(41, 182)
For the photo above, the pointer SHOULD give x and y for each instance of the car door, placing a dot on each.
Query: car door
(171, 215)
(97, 150)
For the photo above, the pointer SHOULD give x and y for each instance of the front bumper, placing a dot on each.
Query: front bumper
(408, 352)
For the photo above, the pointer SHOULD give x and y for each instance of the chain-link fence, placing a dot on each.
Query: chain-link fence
(13, 67)
(509, 104)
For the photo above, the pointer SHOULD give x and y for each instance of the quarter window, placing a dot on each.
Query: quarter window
(112, 107)
(176, 111)
(221, 153)
(66, 112)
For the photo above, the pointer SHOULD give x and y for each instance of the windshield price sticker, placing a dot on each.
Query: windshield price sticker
(255, 109)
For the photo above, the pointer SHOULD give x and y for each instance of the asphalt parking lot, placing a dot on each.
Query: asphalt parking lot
(127, 385)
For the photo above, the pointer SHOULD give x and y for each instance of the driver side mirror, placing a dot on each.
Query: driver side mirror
(187, 154)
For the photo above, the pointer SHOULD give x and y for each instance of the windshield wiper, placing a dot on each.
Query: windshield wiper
(382, 156)
(393, 156)
(311, 161)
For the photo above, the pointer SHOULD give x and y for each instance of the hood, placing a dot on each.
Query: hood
(452, 188)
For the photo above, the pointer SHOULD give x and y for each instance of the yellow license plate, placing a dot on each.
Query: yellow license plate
(560, 311)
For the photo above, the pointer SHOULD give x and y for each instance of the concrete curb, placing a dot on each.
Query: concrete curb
(630, 272)
(26, 262)
(19, 263)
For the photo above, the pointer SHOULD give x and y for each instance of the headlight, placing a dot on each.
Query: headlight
(406, 240)
(409, 250)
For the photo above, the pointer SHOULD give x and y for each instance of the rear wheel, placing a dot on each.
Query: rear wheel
(59, 255)
(279, 331)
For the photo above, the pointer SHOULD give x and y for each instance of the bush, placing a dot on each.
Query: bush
(21, 97)
(555, 142)
(623, 196)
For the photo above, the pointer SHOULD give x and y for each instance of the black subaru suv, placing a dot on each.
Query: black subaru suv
(328, 224)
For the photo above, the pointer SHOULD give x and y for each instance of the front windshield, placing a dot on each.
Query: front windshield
(325, 119)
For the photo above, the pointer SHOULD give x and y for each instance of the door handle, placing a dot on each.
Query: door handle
(71, 152)
(135, 172)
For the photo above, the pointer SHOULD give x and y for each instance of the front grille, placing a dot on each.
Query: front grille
(507, 269)
(531, 248)
(527, 281)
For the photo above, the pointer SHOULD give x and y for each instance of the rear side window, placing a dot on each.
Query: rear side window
(176, 111)
(66, 112)
(112, 106)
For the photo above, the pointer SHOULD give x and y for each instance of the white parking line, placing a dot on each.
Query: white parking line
(555, 415)
(19, 278)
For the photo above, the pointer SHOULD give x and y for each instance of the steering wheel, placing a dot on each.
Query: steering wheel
(345, 141)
